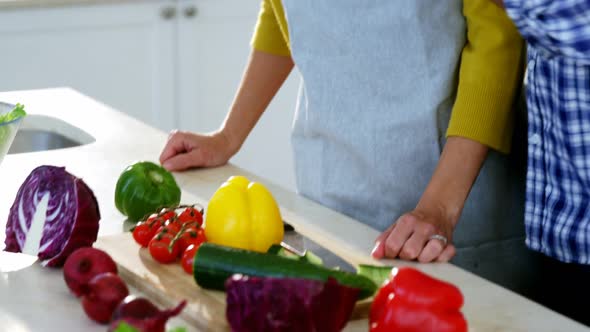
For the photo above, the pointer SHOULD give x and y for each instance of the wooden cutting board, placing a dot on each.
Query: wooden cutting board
(168, 284)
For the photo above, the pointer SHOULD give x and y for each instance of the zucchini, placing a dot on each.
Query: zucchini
(213, 264)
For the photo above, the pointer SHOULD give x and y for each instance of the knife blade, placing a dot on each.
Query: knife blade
(299, 245)
(293, 241)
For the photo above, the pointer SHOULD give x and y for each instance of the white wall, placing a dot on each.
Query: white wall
(267, 151)
(176, 71)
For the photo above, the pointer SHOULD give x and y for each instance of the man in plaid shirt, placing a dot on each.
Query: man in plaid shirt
(557, 214)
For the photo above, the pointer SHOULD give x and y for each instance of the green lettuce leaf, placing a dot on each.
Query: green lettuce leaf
(17, 112)
(124, 327)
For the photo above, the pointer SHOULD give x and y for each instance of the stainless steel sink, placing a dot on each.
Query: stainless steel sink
(43, 133)
(33, 140)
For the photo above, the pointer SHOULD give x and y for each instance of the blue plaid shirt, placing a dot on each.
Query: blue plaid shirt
(557, 215)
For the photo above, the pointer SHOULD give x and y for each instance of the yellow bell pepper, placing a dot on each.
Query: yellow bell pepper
(243, 214)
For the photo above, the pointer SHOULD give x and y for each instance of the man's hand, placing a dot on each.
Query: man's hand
(410, 238)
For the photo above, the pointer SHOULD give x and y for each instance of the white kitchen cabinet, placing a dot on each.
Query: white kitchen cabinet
(119, 53)
(170, 63)
(214, 45)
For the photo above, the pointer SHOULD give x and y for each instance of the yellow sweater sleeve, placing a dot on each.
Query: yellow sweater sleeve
(270, 34)
(489, 78)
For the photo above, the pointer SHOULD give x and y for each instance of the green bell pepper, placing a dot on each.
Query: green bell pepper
(143, 188)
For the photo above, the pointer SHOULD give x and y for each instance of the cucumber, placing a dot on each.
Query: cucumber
(309, 256)
(312, 258)
(213, 264)
(274, 249)
(378, 274)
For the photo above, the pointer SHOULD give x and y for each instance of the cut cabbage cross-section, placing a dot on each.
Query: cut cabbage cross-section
(33, 239)
(53, 214)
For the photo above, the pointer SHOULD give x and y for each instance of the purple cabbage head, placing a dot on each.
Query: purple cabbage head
(288, 304)
(56, 212)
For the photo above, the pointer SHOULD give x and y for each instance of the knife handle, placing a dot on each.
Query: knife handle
(287, 227)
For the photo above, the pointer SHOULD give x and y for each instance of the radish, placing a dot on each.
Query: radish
(105, 292)
(83, 264)
(143, 315)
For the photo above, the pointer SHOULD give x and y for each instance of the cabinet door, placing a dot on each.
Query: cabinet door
(214, 45)
(120, 54)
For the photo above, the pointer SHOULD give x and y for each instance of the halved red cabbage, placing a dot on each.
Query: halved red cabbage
(288, 304)
(54, 213)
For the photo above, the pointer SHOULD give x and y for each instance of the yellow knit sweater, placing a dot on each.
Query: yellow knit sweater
(489, 77)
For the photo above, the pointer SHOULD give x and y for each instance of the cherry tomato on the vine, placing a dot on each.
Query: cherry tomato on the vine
(188, 258)
(168, 215)
(161, 249)
(190, 214)
(152, 217)
(142, 234)
(155, 224)
(191, 235)
(171, 228)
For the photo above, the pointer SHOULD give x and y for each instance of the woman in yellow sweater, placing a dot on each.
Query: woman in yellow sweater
(381, 84)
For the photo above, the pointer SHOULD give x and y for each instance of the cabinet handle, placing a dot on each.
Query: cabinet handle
(190, 12)
(168, 13)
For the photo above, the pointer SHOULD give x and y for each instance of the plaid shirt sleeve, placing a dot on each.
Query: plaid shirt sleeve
(554, 27)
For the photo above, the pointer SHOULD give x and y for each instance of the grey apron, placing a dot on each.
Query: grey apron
(378, 85)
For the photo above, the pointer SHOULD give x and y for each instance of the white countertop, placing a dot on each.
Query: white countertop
(36, 299)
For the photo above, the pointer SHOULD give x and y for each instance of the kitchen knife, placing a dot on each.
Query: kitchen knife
(299, 244)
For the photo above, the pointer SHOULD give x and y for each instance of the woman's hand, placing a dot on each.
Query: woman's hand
(410, 238)
(264, 75)
(413, 235)
(185, 150)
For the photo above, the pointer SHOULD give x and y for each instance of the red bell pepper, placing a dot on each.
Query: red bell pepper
(413, 301)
